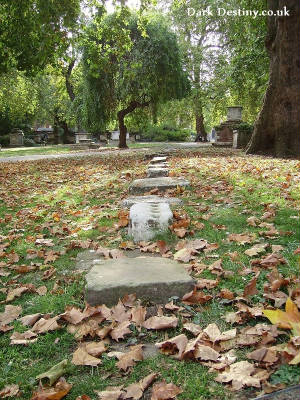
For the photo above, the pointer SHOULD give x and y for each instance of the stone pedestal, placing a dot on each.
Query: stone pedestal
(130, 201)
(140, 186)
(16, 138)
(148, 219)
(224, 132)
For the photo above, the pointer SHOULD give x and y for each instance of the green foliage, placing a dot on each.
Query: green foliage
(34, 32)
(4, 140)
(165, 134)
(124, 64)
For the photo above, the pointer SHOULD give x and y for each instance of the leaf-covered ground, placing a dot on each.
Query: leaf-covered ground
(237, 234)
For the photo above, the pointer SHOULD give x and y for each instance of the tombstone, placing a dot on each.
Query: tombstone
(130, 201)
(16, 138)
(153, 279)
(148, 219)
(234, 113)
(140, 186)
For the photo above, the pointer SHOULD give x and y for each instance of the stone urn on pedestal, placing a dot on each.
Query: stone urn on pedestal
(224, 132)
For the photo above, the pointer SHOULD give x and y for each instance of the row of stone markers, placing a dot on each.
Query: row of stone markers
(150, 215)
(154, 279)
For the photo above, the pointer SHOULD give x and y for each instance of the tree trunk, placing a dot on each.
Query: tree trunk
(69, 85)
(200, 129)
(66, 133)
(121, 115)
(55, 129)
(276, 131)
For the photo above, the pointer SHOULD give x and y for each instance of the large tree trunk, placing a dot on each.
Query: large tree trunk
(121, 115)
(276, 130)
(200, 129)
(67, 133)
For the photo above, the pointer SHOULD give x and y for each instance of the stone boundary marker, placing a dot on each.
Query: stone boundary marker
(147, 219)
(150, 278)
(130, 201)
(290, 393)
(140, 186)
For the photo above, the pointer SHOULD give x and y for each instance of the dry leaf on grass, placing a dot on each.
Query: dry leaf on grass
(13, 293)
(176, 345)
(196, 297)
(240, 375)
(136, 390)
(263, 355)
(138, 315)
(29, 320)
(59, 391)
(165, 391)
(160, 322)
(9, 391)
(250, 288)
(241, 238)
(129, 299)
(110, 393)
(25, 338)
(10, 314)
(206, 353)
(193, 328)
(256, 249)
(129, 359)
(45, 325)
(82, 357)
(119, 331)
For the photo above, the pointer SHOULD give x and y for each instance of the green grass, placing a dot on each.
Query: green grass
(28, 151)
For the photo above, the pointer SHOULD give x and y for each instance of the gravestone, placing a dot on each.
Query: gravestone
(148, 219)
(151, 278)
(16, 138)
(140, 186)
(130, 201)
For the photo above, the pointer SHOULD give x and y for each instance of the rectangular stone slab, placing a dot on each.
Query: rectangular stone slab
(156, 160)
(130, 201)
(156, 172)
(148, 219)
(150, 278)
(139, 186)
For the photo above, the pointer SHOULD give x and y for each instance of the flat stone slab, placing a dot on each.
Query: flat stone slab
(148, 219)
(130, 201)
(150, 278)
(139, 186)
(290, 393)
(157, 172)
(156, 160)
(160, 165)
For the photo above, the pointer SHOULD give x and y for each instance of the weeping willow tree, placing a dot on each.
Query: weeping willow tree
(129, 64)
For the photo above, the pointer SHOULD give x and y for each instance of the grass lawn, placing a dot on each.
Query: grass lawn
(28, 151)
(51, 210)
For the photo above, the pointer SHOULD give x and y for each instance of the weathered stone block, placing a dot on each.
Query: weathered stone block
(150, 278)
(157, 172)
(157, 160)
(148, 219)
(139, 186)
(130, 201)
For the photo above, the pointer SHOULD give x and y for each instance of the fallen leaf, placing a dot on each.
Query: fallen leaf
(60, 390)
(240, 375)
(196, 297)
(13, 293)
(160, 322)
(24, 338)
(250, 288)
(129, 359)
(9, 391)
(45, 325)
(10, 313)
(165, 391)
(176, 345)
(82, 357)
(120, 330)
(206, 353)
(136, 390)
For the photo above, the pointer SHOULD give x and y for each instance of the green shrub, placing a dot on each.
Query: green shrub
(28, 142)
(4, 140)
(165, 134)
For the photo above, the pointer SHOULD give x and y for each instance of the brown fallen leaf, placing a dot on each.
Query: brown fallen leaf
(176, 345)
(138, 315)
(129, 300)
(29, 320)
(256, 249)
(9, 391)
(129, 359)
(13, 293)
(25, 338)
(41, 291)
(206, 283)
(226, 294)
(110, 393)
(119, 312)
(263, 355)
(206, 353)
(216, 268)
(160, 322)
(82, 357)
(44, 325)
(184, 255)
(10, 313)
(240, 375)
(119, 331)
(193, 328)
(241, 238)
(250, 288)
(196, 297)
(162, 246)
(180, 232)
(136, 390)
(165, 391)
(60, 390)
